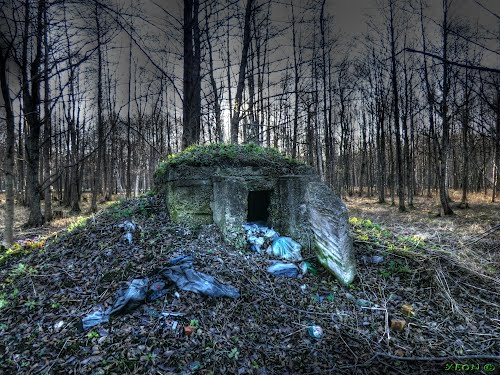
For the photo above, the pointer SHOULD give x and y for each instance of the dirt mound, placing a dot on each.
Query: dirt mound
(46, 293)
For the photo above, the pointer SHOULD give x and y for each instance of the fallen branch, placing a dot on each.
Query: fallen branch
(435, 359)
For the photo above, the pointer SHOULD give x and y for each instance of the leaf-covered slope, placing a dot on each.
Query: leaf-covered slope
(263, 331)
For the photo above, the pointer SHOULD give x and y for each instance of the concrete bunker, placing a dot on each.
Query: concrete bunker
(203, 187)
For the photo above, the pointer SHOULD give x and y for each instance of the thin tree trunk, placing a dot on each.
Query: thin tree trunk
(399, 158)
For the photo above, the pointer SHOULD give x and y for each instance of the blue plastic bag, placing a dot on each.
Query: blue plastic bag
(283, 269)
(286, 248)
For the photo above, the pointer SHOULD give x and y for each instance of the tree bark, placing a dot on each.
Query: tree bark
(31, 108)
(235, 119)
(399, 161)
(9, 151)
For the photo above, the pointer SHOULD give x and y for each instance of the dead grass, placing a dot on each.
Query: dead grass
(471, 237)
(21, 214)
(423, 220)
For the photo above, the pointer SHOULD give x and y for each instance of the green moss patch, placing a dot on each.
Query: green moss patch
(228, 155)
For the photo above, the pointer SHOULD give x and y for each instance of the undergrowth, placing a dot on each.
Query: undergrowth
(22, 247)
(374, 235)
(227, 154)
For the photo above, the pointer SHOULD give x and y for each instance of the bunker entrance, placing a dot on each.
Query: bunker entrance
(258, 206)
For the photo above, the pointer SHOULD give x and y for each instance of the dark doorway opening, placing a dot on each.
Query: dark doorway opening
(258, 206)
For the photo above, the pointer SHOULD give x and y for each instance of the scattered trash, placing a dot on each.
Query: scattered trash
(350, 297)
(310, 268)
(359, 301)
(303, 268)
(58, 325)
(172, 326)
(136, 292)
(94, 318)
(157, 290)
(283, 269)
(314, 331)
(398, 325)
(407, 310)
(188, 330)
(181, 272)
(128, 227)
(303, 288)
(177, 295)
(286, 248)
(259, 237)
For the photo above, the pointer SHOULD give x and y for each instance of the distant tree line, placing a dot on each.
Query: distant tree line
(94, 93)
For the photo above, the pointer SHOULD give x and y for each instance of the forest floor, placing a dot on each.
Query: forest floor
(430, 306)
(67, 217)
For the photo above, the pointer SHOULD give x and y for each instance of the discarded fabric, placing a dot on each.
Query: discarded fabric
(94, 318)
(283, 269)
(136, 292)
(157, 290)
(181, 272)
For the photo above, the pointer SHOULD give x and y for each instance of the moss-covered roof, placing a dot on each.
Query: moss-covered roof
(230, 155)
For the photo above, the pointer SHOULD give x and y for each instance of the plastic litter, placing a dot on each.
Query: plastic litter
(283, 269)
(94, 318)
(136, 292)
(314, 331)
(259, 237)
(181, 272)
(128, 227)
(286, 248)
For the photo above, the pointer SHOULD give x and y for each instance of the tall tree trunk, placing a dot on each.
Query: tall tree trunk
(191, 77)
(399, 159)
(445, 135)
(9, 151)
(217, 108)
(496, 174)
(235, 119)
(296, 68)
(47, 125)
(32, 114)
(98, 172)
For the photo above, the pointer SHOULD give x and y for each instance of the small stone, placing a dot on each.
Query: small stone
(407, 310)
(398, 325)
(399, 353)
